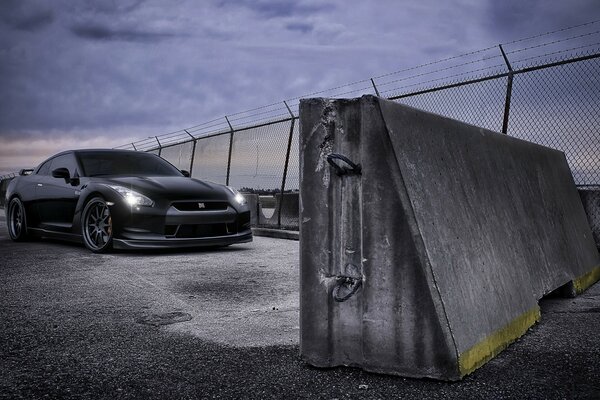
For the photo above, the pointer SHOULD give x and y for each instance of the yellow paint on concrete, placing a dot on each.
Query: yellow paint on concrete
(585, 281)
(489, 347)
(492, 345)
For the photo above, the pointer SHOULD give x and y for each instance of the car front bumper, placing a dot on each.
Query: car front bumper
(162, 243)
(164, 226)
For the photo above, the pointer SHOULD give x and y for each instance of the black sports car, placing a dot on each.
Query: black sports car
(123, 199)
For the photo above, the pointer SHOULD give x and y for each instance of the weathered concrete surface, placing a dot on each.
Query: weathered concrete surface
(590, 197)
(455, 231)
(290, 211)
(70, 330)
(242, 295)
(288, 204)
(255, 208)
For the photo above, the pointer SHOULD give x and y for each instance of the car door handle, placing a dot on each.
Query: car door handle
(39, 184)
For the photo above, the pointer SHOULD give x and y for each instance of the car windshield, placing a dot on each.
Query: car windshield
(125, 163)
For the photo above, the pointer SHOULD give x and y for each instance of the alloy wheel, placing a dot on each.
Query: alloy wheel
(97, 225)
(16, 216)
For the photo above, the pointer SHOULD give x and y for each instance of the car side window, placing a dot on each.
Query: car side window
(45, 168)
(65, 161)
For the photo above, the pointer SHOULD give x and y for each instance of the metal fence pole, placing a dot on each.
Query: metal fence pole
(230, 150)
(509, 84)
(375, 87)
(468, 83)
(159, 145)
(286, 164)
(193, 151)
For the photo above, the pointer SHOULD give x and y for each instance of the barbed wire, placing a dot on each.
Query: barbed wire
(553, 42)
(552, 32)
(466, 68)
(449, 78)
(279, 110)
(555, 53)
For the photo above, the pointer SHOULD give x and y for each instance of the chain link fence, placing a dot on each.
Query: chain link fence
(544, 89)
(555, 104)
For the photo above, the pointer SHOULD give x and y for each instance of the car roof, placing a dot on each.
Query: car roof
(77, 151)
(95, 151)
(106, 151)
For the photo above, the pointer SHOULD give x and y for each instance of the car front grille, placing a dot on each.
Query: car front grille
(189, 231)
(204, 230)
(201, 205)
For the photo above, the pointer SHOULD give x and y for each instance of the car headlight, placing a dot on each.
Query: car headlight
(131, 197)
(239, 198)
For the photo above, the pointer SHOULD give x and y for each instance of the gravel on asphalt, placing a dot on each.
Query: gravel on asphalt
(223, 324)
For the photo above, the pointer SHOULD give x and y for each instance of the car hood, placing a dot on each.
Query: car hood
(172, 187)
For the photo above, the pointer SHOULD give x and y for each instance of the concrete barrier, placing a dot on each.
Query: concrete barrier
(287, 210)
(255, 208)
(288, 204)
(425, 250)
(590, 197)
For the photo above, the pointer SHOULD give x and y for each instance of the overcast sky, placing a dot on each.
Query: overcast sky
(104, 73)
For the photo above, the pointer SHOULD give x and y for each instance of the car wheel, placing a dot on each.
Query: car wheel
(97, 226)
(17, 220)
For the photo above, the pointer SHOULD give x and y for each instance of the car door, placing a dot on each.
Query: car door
(28, 192)
(57, 197)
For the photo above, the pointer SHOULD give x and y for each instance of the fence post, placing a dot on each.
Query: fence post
(285, 166)
(193, 151)
(509, 85)
(230, 150)
(375, 87)
(159, 145)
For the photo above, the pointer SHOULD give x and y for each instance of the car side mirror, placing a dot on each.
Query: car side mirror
(61, 173)
(185, 173)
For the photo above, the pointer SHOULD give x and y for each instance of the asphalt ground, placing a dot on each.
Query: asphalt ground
(224, 324)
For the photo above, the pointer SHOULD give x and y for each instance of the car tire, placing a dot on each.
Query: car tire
(17, 220)
(96, 226)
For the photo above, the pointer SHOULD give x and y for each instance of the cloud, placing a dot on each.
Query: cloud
(131, 68)
(112, 7)
(516, 19)
(300, 27)
(30, 150)
(24, 17)
(98, 32)
(279, 8)
(35, 21)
